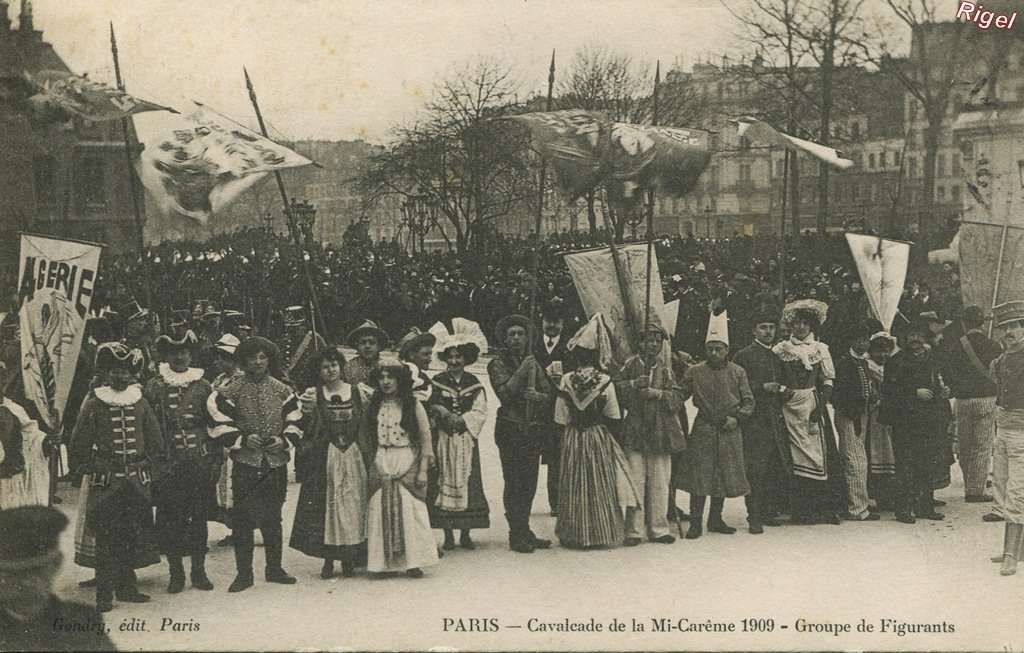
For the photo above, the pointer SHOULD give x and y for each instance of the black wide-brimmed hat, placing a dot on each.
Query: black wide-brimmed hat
(506, 323)
(369, 327)
(133, 311)
(413, 340)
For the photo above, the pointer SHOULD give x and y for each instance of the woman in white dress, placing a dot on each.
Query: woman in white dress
(399, 537)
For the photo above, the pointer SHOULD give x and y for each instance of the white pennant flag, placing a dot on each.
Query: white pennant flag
(882, 265)
(759, 131)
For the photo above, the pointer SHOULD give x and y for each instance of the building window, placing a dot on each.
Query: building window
(45, 170)
(955, 192)
(940, 193)
(745, 172)
(92, 181)
(871, 160)
(744, 143)
(912, 167)
(940, 165)
(896, 159)
(689, 228)
(855, 130)
(854, 192)
(955, 168)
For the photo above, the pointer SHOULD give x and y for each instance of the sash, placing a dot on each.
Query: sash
(972, 356)
(299, 351)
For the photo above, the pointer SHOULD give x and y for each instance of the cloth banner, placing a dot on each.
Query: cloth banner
(86, 98)
(55, 287)
(586, 150)
(756, 130)
(882, 265)
(202, 167)
(984, 256)
(593, 274)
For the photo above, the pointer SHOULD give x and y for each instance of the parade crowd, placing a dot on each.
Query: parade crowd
(175, 426)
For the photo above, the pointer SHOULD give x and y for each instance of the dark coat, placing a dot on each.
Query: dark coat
(763, 431)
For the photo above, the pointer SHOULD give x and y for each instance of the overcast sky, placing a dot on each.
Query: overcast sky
(342, 69)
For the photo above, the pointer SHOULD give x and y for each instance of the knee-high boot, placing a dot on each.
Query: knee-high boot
(177, 582)
(1012, 542)
(696, 529)
(243, 540)
(715, 522)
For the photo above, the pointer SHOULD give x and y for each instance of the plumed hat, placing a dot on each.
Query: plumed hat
(116, 354)
(167, 342)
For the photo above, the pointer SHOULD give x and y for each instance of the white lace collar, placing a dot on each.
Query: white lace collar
(807, 351)
(179, 379)
(127, 397)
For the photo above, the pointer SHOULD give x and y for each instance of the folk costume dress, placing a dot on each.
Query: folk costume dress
(458, 501)
(24, 474)
(595, 487)
(330, 518)
(816, 490)
(117, 441)
(398, 523)
(185, 492)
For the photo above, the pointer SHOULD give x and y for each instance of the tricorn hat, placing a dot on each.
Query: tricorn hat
(116, 354)
(369, 327)
(1008, 312)
(132, 311)
(166, 342)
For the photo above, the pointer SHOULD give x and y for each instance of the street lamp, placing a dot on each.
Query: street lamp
(707, 221)
(419, 214)
(268, 222)
(636, 218)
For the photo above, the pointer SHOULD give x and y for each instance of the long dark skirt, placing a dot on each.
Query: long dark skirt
(476, 515)
(310, 525)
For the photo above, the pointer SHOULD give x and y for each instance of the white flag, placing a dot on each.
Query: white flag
(202, 167)
(882, 265)
(54, 295)
(762, 132)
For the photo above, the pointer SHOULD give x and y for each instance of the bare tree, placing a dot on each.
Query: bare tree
(473, 167)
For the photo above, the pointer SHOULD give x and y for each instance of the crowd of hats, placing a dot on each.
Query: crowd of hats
(254, 280)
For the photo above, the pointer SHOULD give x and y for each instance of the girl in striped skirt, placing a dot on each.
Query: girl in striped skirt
(594, 487)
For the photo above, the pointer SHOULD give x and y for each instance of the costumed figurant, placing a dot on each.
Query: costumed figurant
(367, 339)
(117, 441)
(595, 486)
(30, 560)
(1008, 458)
(226, 372)
(183, 496)
(458, 406)
(853, 400)
(525, 394)
(714, 453)
(651, 433)
(552, 355)
(298, 347)
(916, 405)
(330, 518)
(24, 449)
(765, 443)
(138, 334)
(398, 434)
(881, 458)
(808, 374)
(417, 347)
(256, 418)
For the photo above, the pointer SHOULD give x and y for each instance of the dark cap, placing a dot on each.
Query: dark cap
(30, 536)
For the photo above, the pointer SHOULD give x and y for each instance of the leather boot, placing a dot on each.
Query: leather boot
(696, 517)
(199, 579)
(715, 522)
(272, 548)
(243, 541)
(1012, 541)
(177, 582)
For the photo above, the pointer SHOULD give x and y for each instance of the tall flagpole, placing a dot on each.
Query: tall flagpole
(650, 205)
(318, 317)
(140, 239)
(535, 263)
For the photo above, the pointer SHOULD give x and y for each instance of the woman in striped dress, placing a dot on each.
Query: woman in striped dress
(594, 487)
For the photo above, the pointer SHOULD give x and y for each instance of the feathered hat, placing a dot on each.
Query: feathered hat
(818, 308)
(413, 340)
(465, 334)
(116, 354)
(166, 342)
